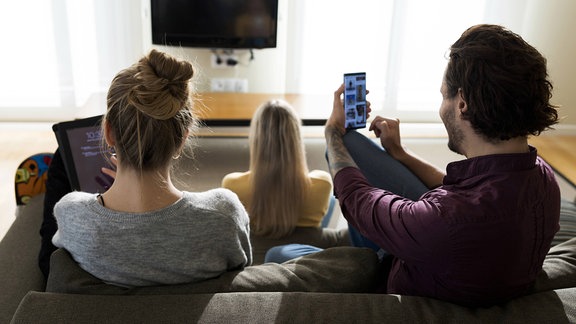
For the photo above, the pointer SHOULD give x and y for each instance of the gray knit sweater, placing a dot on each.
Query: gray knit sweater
(198, 237)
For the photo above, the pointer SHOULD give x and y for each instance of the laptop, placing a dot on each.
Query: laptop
(80, 144)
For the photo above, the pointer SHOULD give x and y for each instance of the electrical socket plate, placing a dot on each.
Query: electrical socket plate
(241, 85)
(229, 85)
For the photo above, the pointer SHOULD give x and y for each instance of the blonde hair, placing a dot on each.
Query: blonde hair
(150, 111)
(279, 172)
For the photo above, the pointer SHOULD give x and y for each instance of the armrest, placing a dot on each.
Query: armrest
(19, 258)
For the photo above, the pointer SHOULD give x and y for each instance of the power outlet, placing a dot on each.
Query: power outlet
(222, 61)
(228, 85)
(218, 85)
(241, 85)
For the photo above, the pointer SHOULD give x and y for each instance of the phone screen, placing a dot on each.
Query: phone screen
(355, 100)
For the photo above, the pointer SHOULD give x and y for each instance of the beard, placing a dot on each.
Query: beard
(455, 134)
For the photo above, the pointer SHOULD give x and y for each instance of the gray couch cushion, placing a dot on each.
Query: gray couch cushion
(340, 269)
(19, 272)
(288, 307)
(559, 268)
(567, 222)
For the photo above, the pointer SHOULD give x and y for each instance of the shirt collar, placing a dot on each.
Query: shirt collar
(489, 164)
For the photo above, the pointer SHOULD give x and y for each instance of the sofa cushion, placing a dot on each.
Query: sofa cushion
(559, 268)
(567, 222)
(19, 257)
(288, 307)
(339, 269)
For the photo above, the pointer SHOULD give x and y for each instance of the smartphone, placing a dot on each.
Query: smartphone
(355, 100)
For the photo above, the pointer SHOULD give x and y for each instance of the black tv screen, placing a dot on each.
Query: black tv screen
(215, 23)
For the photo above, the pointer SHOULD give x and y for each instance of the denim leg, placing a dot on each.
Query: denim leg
(381, 169)
(283, 253)
(359, 240)
(326, 219)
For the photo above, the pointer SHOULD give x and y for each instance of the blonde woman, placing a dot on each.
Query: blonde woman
(143, 230)
(281, 195)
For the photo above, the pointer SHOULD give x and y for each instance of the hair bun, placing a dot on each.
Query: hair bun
(164, 85)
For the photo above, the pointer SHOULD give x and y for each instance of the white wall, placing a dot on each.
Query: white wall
(549, 26)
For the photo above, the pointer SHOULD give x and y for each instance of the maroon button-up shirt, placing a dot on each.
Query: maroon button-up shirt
(478, 239)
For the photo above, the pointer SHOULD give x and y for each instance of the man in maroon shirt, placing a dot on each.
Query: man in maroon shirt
(478, 234)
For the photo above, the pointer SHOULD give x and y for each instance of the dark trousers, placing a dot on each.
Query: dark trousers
(57, 185)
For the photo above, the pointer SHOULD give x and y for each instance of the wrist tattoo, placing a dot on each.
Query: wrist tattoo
(338, 156)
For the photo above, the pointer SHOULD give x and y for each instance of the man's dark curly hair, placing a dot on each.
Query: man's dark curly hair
(504, 83)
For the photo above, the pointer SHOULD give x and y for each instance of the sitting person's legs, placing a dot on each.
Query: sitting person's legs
(57, 185)
(328, 217)
(382, 170)
(283, 253)
(358, 240)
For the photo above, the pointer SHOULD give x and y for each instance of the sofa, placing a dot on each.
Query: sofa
(335, 286)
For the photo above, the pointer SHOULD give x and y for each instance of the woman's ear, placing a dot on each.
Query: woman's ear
(184, 140)
(181, 148)
(108, 136)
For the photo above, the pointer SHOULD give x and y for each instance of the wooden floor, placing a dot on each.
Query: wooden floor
(560, 152)
(17, 142)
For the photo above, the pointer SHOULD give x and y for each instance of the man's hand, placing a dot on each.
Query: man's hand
(388, 130)
(338, 156)
(109, 171)
(336, 120)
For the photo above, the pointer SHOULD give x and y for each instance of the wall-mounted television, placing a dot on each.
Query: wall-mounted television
(215, 23)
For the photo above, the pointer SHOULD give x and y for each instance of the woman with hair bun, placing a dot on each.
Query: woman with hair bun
(143, 230)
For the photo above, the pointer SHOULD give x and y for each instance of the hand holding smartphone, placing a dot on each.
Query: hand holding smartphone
(355, 100)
